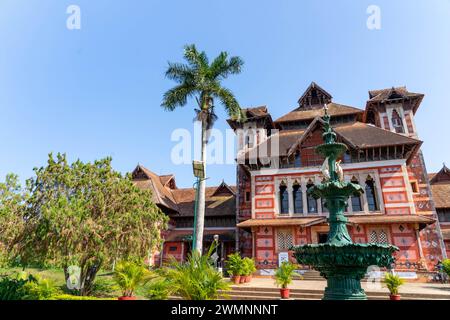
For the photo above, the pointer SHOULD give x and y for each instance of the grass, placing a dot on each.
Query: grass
(57, 276)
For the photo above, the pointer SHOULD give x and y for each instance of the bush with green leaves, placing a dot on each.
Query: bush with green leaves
(72, 297)
(284, 274)
(159, 289)
(248, 266)
(197, 278)
(235, 264)
(393, 282)
(24, 286)
(129, 275)
(446, 266)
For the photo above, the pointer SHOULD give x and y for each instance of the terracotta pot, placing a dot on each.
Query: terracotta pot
(249, 278)
(236, 279)
(126, 298)
(242, 280)
(285, 293)
(394, 297)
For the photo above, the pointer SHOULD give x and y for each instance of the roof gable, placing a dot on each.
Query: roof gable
(314, 97)
(223, 190)
(443, 176)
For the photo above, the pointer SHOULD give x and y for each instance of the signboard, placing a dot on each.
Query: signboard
(283, 257)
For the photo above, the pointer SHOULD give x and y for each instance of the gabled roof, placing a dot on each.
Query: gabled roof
(443, 176)
(224, 190)
(395, 93)
(216, 205)
(440, 187)
(165, 179)
(252, 114)
(313, 89)
(357, 135)
(334, 109)
(220, 200)
(364, 135)
(148, 180)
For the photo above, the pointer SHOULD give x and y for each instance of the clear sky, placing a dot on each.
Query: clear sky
(96, 91)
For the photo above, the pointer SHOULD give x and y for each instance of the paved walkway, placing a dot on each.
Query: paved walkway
(408, 287)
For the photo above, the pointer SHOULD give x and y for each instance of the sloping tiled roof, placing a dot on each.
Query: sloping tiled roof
(256, 111)
(286, 139)
(220, 205)
(334, 109)
(166, 178)
(441, 195)
(160, 194)
(357, 135)
(384, 94)
(364, 135)
(218, 201)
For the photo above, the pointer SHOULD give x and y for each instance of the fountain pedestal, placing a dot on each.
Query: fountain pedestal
(339, 260)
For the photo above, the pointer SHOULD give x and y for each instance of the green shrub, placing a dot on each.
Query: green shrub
(446, 266)
(248, 266)
(197, 278)
(393, 282)
(159, 289)
(129, 276)
(24, 286)
(284, 274)
(235, 264)
(103, 288)
(71, 297)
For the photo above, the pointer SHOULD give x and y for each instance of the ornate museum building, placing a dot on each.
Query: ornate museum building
(278, 163)
(178, 204)
(440, 186)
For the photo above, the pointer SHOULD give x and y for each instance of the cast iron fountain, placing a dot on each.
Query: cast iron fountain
(339, 260)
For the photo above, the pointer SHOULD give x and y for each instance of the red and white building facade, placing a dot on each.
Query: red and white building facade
(278, 163)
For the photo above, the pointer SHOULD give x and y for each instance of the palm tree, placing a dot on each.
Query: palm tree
(202, 80)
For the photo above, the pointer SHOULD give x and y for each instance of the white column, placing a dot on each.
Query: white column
(304, 195)
(290, 196)
(319, 203)
(409, 192)
(362, 182)
(349, 200)
(380, 199)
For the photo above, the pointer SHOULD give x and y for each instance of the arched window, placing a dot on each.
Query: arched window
(370, 194)
(284, 199)
(397, 122)
(298, 198)
(297, 160)
(312, 203)
(356, 200)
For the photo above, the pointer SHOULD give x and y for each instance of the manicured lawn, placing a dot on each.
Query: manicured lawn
(57, 276)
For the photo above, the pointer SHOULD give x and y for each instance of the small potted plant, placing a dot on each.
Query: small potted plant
(393, 282)
(283, 277)
(250, 268)
(128, 277)
(235, 267)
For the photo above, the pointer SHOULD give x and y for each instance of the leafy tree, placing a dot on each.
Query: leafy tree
(12, 198)
(89, 215)
(201, 79)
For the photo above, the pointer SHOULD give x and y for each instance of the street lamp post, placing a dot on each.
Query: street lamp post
(198, 168)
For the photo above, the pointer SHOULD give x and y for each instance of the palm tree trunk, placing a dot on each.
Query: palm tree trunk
(201, 195)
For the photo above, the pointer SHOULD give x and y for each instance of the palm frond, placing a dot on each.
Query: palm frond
(180, 72)
(230, 103)
(177, 96)
(221, 67)
(196, 59)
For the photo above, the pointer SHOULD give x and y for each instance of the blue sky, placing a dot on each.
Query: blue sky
(96, 92)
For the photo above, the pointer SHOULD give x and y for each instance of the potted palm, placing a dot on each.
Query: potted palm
(235, 267)
(128, 277)
(393, 282)
(250, 268)
(283, 277)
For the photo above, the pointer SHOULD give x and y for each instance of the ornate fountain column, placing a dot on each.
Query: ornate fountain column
(339, 260)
